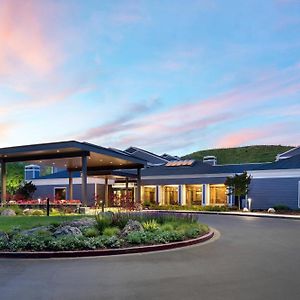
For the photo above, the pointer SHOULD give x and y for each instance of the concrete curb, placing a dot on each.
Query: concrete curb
(108, 252)
(228, 213)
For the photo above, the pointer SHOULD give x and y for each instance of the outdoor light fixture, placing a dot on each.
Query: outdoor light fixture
(249, 203)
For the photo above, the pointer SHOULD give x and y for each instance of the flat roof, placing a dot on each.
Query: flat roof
(68, 154)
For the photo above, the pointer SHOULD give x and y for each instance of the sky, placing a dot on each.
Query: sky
(165, 75)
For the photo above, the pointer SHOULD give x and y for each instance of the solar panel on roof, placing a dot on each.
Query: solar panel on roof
(180, 163)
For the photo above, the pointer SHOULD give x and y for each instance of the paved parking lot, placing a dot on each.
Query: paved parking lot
(254, 258)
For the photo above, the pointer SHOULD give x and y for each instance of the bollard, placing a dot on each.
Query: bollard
(48, 206)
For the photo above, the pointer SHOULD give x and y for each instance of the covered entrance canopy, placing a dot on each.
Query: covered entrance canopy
(73, 156)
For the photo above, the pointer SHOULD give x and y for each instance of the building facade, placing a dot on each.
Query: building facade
(167, 180)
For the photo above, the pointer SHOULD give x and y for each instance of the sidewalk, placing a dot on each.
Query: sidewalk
(237, 213)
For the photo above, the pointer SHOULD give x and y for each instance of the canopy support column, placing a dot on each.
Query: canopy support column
(84, 180)
(126, 187)
(138, 186)
(3, 182)
(70, 186)
(106, 192)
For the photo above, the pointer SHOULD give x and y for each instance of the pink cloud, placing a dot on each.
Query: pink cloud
(23, 38)
(192, 122)
(5, 129)
(276, 133)
(244, 136)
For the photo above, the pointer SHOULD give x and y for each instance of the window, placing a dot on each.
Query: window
(194, 194)
(171, 195)
(218, 194)
(149, 194)
(120, 198)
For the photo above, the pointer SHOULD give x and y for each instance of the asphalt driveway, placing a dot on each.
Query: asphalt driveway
(254, 258)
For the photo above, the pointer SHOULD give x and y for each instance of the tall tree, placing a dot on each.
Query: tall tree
(238, 185)
(15, 177)
(26, 190)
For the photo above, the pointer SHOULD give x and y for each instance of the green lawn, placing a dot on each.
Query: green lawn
(27, 222)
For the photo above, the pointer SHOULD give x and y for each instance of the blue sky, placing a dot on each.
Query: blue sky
(168, 76)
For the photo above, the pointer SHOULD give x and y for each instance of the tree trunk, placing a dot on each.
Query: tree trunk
(239, 199)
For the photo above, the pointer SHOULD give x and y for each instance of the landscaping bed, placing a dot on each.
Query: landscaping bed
(189, 207)
(105, 231)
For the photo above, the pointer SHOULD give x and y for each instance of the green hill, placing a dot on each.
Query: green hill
(248, 154)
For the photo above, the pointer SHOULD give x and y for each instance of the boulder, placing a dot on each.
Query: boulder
(3, 236)
(84, 222)
(8, 212)
(67, 230)
(35, 230)
(271, 210)
(27, 211)
(131, 226)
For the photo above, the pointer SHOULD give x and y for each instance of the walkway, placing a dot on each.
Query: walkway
(254, 258)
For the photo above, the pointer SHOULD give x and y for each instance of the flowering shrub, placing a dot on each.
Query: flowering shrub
(150, 225)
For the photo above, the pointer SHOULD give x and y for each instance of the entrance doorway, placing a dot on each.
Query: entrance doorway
(60, 193)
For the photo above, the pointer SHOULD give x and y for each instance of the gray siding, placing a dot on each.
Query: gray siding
(43, 191)
(266, 193)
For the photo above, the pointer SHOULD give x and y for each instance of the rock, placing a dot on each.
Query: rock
(35, 230)
(84, 222)
(245, 209)
(131, 226)
(271, 210)
(8, 212)
(27, 211)
(67, 230)
(3, 236)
